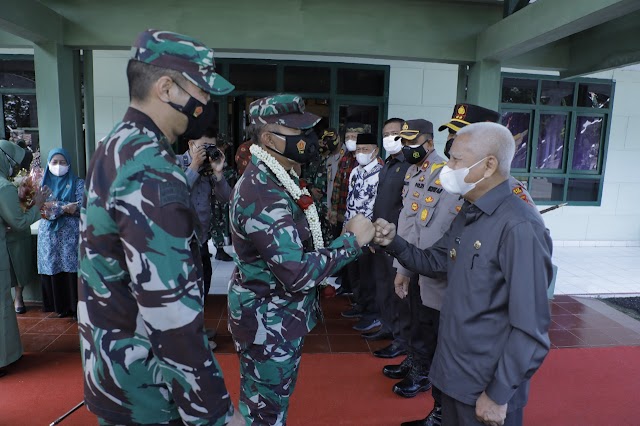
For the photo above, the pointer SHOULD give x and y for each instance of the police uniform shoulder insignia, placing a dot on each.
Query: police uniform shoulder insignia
(517, 190)
(424, 215)
(414, 207)
(425, 165)
(437, 166)
(421, 179)
(407, 176)
(429, 199)
(438, 182)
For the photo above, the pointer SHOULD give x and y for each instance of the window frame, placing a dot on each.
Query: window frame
(573, 112)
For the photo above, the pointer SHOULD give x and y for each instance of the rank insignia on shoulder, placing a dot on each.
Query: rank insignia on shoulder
(438, 182)
(453, 254)
(429, 199)
(517, 190)
(421, 179)
(424, 215)
(414, 207)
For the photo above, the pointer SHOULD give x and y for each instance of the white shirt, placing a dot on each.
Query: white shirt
(363, 188)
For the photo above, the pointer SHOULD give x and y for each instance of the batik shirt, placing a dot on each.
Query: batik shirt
(140, 313)
(273, 297)
(341, 185)
(363, 188)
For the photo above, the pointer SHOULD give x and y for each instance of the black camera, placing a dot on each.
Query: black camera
(213, 153)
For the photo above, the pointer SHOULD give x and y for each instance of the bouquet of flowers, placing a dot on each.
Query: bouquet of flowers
(29, 187)
(51, 209)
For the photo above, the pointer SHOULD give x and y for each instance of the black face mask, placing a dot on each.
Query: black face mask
(414, 155)
(199, 116)
(302, 148)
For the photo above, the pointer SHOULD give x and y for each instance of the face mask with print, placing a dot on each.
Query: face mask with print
(453, 180)
(351, 145)
(301, 148)
(392, 144)
(363, 158)
(199, 116)
(414, 154)
(58, 169)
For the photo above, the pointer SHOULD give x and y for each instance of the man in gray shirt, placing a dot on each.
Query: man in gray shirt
(497, 257)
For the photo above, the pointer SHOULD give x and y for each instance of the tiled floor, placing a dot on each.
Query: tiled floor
(576, 322)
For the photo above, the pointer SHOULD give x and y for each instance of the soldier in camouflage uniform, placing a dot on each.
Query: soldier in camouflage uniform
(315, 175)
(273, 301)
(220, 214)
(145, 355)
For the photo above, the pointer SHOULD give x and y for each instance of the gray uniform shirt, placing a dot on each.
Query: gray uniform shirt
(426, 214)
(495, 316)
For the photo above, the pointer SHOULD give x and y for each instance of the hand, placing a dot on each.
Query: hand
(70, 208)
(41, 196)
(316, 193)
(385, 232)
(237, 419)
(218, 165)
(362, 227)
(333, 217)
(198, 156)
(401, 284)
(490, 413)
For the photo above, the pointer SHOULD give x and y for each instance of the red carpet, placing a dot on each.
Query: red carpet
(596, 386)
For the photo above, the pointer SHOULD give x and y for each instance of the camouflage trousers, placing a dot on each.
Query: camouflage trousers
(268, 375)
(220, 223)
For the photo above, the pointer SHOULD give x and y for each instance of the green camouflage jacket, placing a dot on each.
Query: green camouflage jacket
(140, 313)
(273, 293)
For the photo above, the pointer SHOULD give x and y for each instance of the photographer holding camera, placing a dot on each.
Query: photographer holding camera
(203, 164)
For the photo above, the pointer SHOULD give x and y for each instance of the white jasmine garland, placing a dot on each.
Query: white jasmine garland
(294, 190)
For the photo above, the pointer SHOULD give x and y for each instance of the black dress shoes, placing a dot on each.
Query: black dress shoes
(390, 351)
(223, 256)
(398, 371)
(415, 382)
(21, 309)
(377, 335)
(434, 418)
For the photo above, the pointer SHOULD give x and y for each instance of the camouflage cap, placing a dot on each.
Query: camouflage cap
(284, 109)
(181, 53)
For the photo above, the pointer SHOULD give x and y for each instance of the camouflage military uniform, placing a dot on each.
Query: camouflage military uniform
(220, 214)
(140, 283)
(273, 301)
(315, 174)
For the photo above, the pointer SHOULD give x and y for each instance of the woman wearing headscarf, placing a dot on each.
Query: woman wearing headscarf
(12, 159)
(58, 236)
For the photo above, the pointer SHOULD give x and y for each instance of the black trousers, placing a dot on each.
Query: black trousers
(394, 311)
(363, 283)
(455, 413)
(60, 292)
(424, 329)
(207, 269)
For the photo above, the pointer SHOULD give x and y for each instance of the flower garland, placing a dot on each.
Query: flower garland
(300, 195)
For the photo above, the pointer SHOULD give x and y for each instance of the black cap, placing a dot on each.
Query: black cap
(366, 139)
(464, 114)
(411, 129)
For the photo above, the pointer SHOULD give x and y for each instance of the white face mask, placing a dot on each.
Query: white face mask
(453, 180)
(58, 169)
(364, 159)
(351, 144)
(392, 144)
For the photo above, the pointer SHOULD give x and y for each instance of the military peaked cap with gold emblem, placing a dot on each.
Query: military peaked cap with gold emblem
(464, 114)
(411, 129)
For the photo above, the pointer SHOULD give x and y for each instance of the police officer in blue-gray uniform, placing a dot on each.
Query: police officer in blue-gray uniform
(497, 259)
